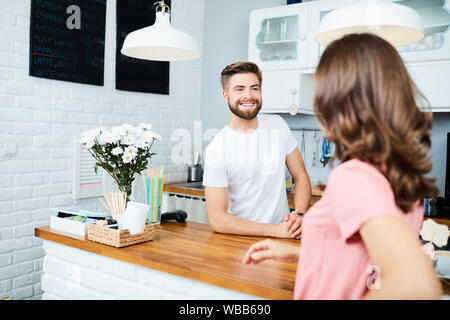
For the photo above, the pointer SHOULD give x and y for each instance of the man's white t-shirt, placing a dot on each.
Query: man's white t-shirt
(252, 166)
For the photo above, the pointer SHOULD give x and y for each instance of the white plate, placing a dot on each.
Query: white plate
(443, 253)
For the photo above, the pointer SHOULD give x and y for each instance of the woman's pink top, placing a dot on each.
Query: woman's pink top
(334, 262)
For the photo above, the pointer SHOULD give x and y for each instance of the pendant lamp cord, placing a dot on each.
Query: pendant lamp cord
(163, 6)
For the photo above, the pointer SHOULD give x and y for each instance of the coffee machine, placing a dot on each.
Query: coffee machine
(440, 206)
(446, 206)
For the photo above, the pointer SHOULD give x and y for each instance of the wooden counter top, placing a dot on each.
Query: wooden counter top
(192, 250)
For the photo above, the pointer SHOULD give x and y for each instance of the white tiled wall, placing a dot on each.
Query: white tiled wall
(41, 117)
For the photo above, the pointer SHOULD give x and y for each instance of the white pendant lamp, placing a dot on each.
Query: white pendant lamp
(396, 23)
(161, 41)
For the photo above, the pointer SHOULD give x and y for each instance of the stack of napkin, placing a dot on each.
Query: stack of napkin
(438, 235)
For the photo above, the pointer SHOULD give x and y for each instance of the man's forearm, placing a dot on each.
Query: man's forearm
(227, 223)
(302, 194)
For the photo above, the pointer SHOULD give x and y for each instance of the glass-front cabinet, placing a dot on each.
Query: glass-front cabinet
(278, 38)
(435, 16)
(282, 43)
(316, 13)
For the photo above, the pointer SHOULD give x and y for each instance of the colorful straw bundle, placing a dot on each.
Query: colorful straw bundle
(154, 185)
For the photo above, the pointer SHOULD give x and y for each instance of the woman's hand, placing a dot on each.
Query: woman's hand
(270, 249)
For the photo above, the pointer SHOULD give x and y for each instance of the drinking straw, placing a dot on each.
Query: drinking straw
(155, 206)
(158, 180)
(148, 194)
(109, 200)
(157, 198)
(162, 182)
(162, 188)
(145, 184)
(104, 204)
(114, 204)
(151, 177)
(124, 201)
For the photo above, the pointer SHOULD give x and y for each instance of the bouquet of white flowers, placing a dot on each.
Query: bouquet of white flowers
(121, 151)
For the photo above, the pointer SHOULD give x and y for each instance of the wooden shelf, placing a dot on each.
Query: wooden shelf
(278, 42)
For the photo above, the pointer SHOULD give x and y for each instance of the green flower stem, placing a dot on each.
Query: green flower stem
(122, 173)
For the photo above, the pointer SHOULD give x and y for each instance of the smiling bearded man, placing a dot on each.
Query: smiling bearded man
(245, 163)
(246, 108)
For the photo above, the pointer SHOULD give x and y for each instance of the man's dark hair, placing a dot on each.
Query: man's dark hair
(239, 67)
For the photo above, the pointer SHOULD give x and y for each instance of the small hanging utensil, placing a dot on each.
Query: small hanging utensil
(302, 148)
(325, 152)
(315, 149)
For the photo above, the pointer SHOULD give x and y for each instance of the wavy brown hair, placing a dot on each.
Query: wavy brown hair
(368, 106)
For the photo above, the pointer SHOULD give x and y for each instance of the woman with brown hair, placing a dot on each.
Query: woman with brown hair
(361, 239)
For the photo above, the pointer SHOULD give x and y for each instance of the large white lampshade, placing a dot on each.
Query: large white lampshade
(396, 23)
(161, 41)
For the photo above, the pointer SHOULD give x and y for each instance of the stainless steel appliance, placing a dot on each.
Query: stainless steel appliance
(447, 179)
(195, 173)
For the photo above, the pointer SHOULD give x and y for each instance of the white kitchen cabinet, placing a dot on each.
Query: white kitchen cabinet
(283, 38)
(282, 43)
(435, 19)
(435, 16)
(283, 91)
(277, 37)
(432, 79)
(316, 14)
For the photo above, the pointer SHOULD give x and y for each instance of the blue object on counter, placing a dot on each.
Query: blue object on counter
(81, 219)
(83, 213)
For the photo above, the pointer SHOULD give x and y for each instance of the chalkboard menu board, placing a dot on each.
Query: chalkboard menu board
(137, 74)
(67, 40)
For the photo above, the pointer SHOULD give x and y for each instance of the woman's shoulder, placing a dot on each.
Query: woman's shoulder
(355, 173)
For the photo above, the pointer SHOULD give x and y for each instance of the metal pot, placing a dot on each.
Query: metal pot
(195, 173)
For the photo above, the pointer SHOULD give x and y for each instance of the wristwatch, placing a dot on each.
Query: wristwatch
(299, 213)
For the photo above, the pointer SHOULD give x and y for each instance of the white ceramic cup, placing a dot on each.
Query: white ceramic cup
(135, 217)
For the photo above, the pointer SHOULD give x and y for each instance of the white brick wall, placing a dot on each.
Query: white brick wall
(70, 273)
(42, 116)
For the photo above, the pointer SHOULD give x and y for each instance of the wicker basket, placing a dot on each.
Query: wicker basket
(119, 238)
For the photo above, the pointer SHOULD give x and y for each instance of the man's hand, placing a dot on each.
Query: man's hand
(293, 225)
(223, 222)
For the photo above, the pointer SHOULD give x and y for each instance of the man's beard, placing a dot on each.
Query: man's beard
(245, 114)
